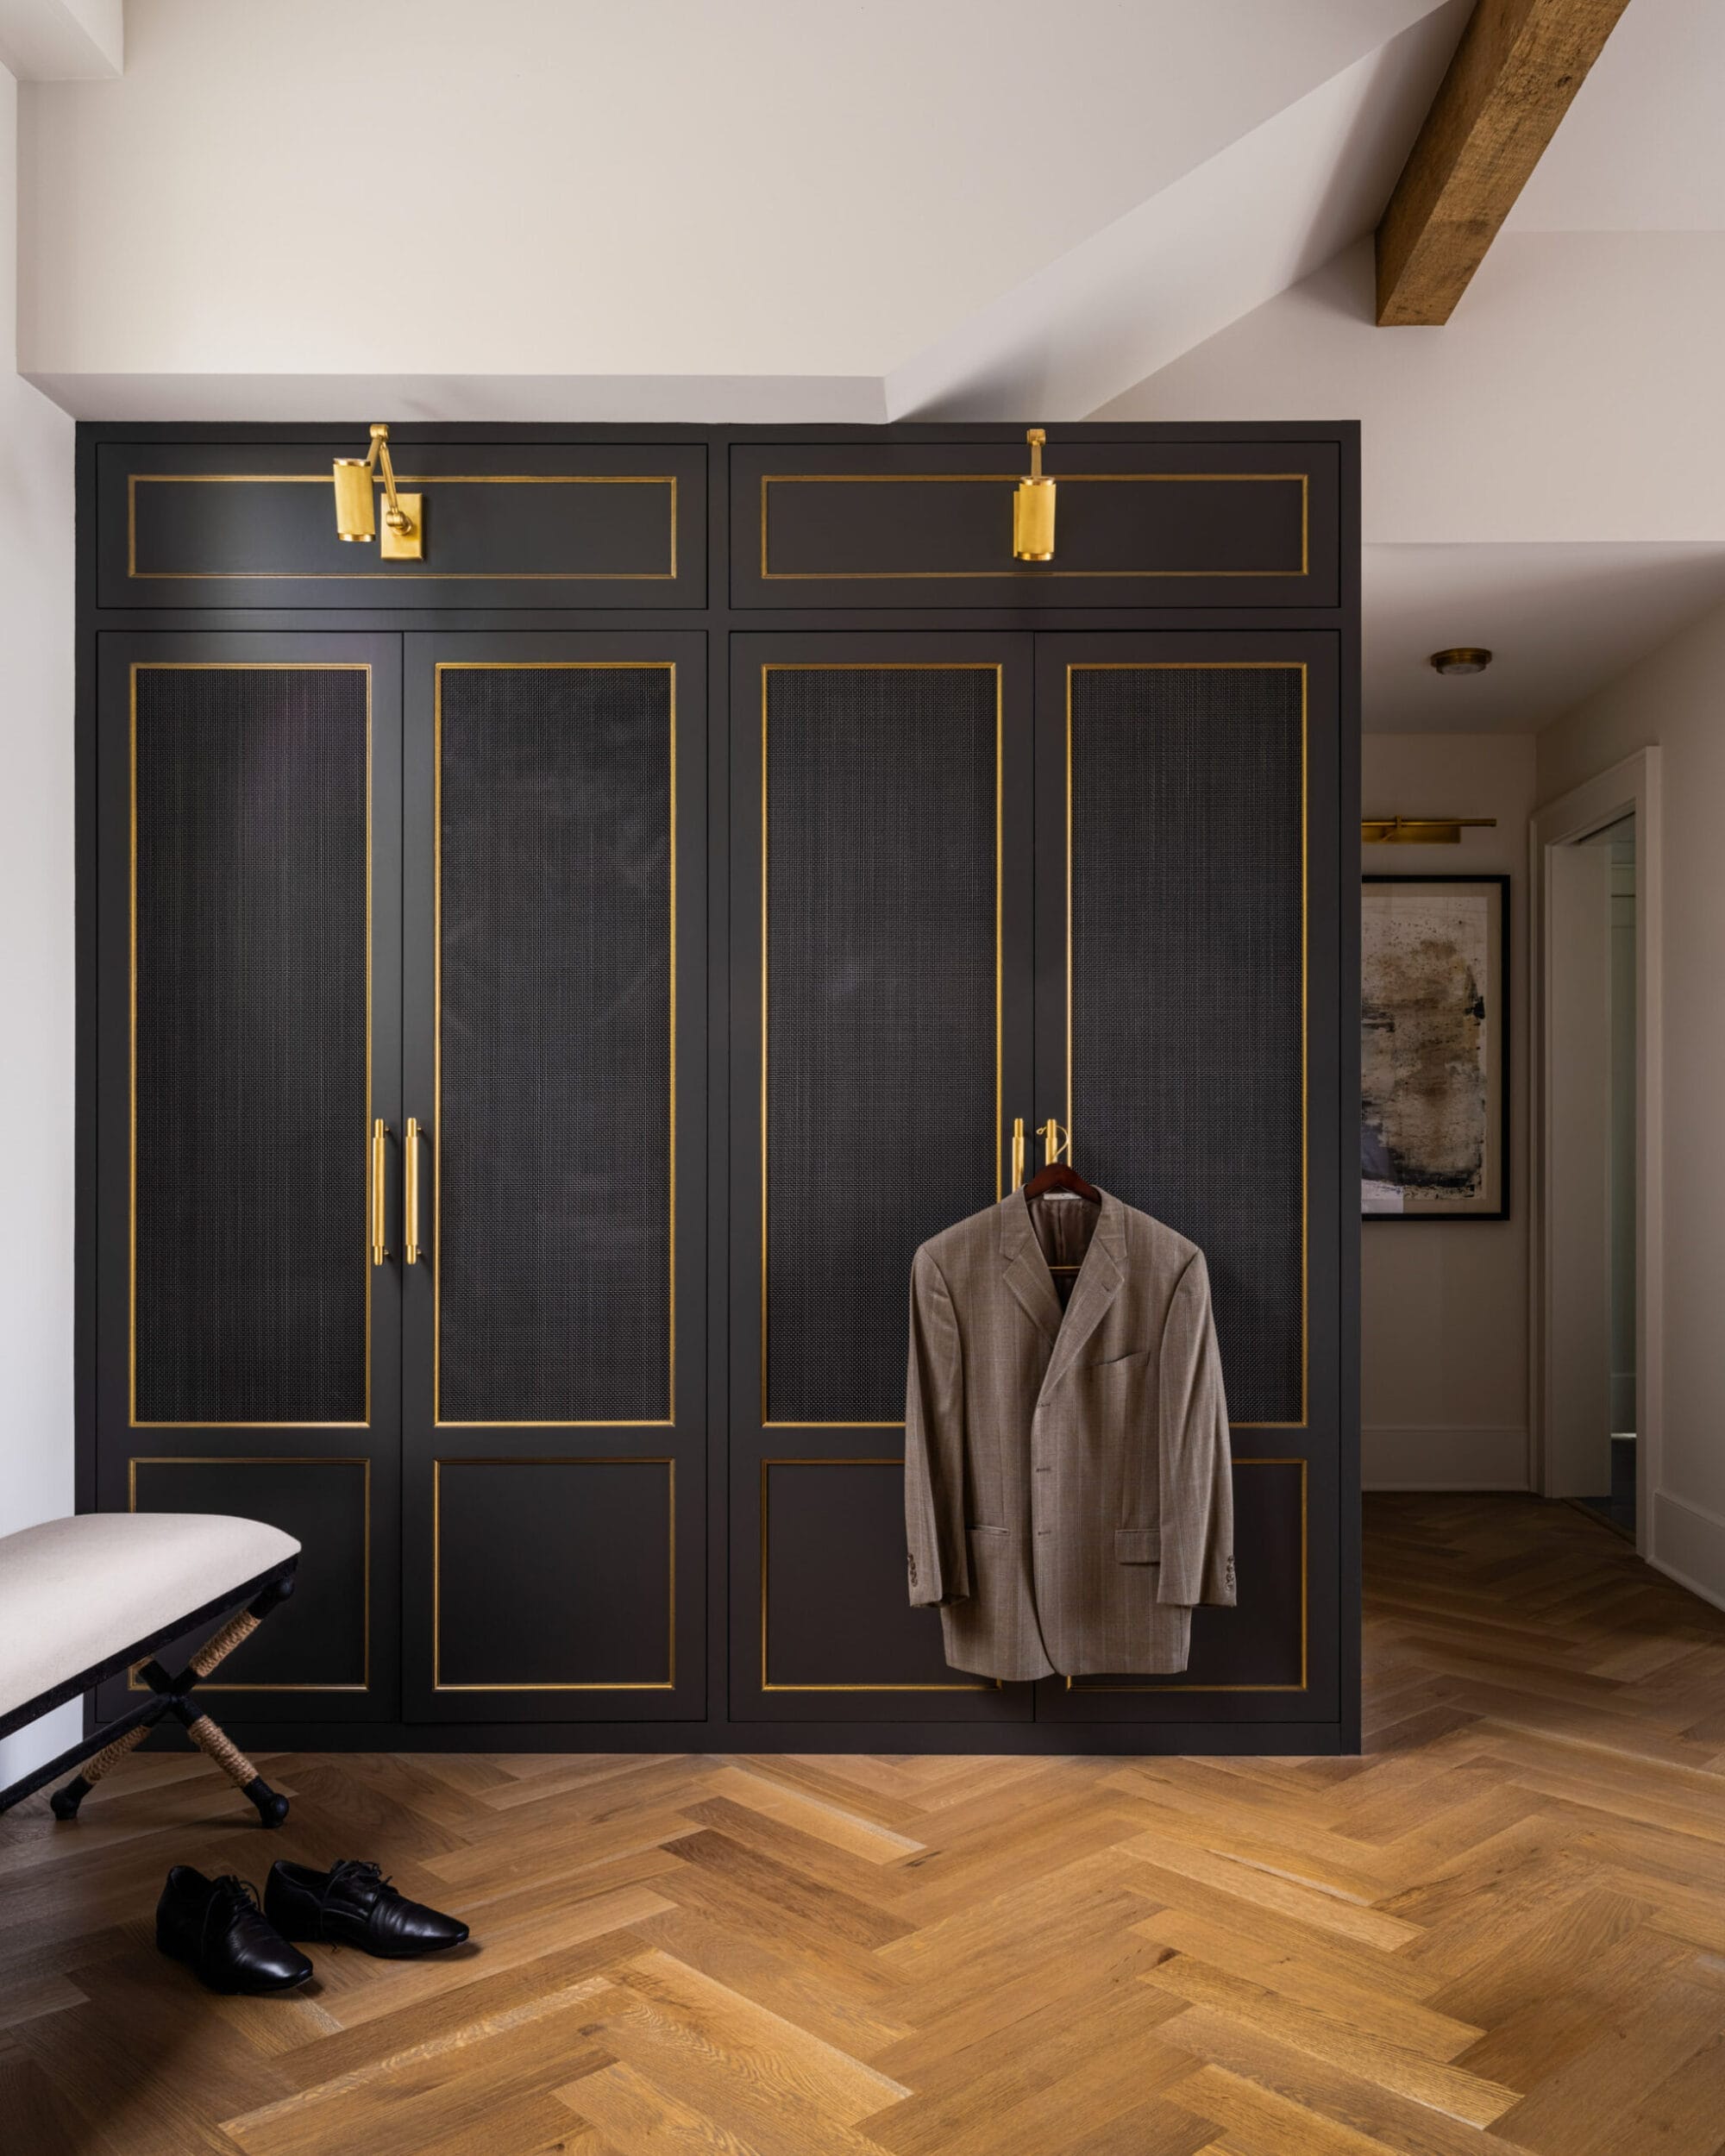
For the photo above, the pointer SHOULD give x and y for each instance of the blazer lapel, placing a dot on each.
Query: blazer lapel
(1099, 1280)
(1025, 1273)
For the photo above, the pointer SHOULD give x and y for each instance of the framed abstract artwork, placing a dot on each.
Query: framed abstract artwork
(1434, 1048)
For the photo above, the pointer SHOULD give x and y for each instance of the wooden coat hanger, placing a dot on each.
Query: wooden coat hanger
(1058, 1175)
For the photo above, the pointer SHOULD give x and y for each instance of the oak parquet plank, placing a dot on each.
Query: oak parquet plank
(1455, 2091)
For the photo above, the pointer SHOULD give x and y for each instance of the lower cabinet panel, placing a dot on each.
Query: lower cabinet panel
(555, 1574)
(835, 1637)
(317, 1654)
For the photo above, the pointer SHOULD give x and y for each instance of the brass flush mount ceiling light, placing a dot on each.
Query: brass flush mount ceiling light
(1033, 507)
(1463, 659)
(404, 520)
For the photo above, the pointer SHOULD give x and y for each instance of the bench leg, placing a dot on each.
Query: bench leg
(239, 1769)
(64, 1801)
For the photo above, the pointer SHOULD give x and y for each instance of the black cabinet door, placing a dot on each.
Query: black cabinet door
(1187, 1018)
(554, 1392)
(248, 1022)
(879, 984)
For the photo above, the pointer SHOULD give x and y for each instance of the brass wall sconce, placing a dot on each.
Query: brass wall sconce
(1421, 830)
(1033, 507)
(404, 520)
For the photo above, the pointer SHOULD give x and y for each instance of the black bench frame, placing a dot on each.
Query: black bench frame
(170, 1695)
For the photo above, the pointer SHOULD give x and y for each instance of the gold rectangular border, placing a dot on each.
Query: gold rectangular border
(134, 480)
(878, 666)
(625, 1459)
(1011, 568)
(668, 666)
(227, 666)
(1233, 666)
(1304, 1466)
(888, 1460)
(281, 1459)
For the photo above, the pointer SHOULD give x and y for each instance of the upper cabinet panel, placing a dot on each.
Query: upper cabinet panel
(1240, 523)
(244, 524)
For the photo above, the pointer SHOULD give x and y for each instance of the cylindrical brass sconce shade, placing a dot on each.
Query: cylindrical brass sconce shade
(355, 503)
(1033, 508)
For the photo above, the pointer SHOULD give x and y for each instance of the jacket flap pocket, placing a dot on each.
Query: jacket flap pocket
(1138, 1546)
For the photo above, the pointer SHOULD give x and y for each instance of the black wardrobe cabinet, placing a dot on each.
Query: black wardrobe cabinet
(533, 1001)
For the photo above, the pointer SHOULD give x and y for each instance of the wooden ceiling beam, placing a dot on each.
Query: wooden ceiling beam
(1519, 64)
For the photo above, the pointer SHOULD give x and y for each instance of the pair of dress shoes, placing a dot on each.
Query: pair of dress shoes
(234, 1943)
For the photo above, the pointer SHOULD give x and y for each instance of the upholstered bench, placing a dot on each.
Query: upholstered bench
(83, 1599)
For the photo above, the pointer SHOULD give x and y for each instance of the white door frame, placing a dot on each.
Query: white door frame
(1631, 787)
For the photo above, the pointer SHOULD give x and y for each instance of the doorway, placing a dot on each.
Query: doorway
(1595, 1284)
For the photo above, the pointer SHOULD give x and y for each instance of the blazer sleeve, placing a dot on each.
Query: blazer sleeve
(939, 1561)
(1195, 1469)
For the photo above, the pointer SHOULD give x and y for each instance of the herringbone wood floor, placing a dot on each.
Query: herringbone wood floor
(1502, 1929)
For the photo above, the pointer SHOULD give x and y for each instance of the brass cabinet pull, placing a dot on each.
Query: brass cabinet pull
(411, 1249)
(380, 1156)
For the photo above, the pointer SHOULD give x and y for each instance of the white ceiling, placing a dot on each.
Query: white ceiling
(1560, 620)
(1130, 209)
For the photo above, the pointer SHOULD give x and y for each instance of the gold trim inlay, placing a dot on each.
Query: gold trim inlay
(286, 1459)
(665, 1683)
(668, 666)
(134, 480)
(879, 665)
(1010, 569)
(766, 1685)
(230, 666)
(1232, 666)
(1290, 1460)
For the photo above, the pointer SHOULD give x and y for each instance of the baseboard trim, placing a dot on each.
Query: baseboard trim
(1456, 1457)
(1688, 1545)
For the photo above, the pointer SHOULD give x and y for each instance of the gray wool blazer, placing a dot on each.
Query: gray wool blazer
(1068, 1494)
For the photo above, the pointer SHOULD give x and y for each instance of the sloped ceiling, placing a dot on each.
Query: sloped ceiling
(1125, 209)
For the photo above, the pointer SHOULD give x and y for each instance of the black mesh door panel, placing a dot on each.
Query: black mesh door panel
(250, 1042)
(554, 1000)
(880, 929)
(1186, 924)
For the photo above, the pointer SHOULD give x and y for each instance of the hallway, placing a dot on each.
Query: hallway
(1502, 1929)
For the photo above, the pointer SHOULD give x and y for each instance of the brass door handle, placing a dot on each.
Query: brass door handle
(411, 1249)
(379, 1160)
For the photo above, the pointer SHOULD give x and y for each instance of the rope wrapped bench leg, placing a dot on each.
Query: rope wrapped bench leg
(64, 1801)
(232, 1634)
(216, 1745)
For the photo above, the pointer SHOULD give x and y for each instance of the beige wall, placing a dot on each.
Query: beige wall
(1676, 698)
(1444, 1303)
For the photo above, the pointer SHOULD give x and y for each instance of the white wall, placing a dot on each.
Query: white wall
(36, 944)
(1444, 1303)
(1677, 698)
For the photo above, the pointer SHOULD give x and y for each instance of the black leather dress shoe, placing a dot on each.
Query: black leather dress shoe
(352, 1904)
(215, 1927)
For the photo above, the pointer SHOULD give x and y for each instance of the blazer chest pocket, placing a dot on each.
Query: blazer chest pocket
(1138, 1546)
(1127, 1365)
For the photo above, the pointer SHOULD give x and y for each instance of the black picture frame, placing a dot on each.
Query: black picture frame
(1498, 1017)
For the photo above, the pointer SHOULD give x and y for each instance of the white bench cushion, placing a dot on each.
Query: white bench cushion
(75, 1592)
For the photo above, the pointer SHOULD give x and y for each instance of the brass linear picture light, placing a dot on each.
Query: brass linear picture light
(1033, 507)
(1421, 830)
(404, 520)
